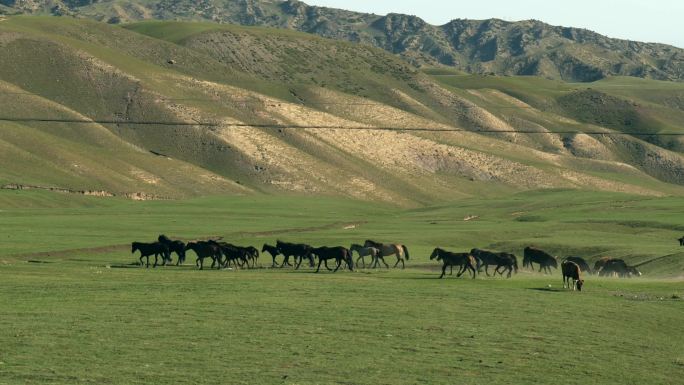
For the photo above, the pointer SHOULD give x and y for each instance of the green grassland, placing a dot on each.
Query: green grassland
(74, 309)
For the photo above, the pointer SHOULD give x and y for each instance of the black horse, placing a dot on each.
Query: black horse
(618, 267)
(205, 250)
(233, 254)
(507, 261)
(296, 250)
(485, 258)
(177, 247)
(253, 254)
(681, 241)
(271, 250)
(463, 260)
(148, 249)
(583, 265)
(338, 253)
(545, 261)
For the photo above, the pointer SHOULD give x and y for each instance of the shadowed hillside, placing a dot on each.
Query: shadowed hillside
(174, 109)
(477, 46)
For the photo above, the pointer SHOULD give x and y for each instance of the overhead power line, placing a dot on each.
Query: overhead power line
(329, 127)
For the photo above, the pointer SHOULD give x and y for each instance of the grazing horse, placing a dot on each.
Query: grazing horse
(598, 265)
(205, 250)
(507, 261)
(364, 252)
(449, 259)
(485, 258)
(271, 250)
(618, 267)
(399, 250)
(296, 250)
(545, 261)
(338, 253)
(681, 241)
(148, 249)
(177, 247)
(572, 272)
(583, 265)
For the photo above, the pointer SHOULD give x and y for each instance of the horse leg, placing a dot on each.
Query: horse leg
(339, 263)
(362, 260)
(326, 265)
(141, 262)
(383, 261)
(156, 258)
(395, 265)
(443, 271)
(320, 260)
(403, 266)
(460, 271)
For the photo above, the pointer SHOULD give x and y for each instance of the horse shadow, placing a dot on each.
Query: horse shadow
(546, 289)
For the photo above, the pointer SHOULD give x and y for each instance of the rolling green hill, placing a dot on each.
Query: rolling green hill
(169, 109)
(477, 46)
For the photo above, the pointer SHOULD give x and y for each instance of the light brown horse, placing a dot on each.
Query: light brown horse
(387, 249)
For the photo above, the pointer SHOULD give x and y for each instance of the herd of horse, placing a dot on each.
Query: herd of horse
(223, 254)
(504, 262)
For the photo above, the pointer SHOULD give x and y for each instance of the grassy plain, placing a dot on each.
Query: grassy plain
(74, 311)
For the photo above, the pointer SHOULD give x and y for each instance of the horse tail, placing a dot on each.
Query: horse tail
(405, 251)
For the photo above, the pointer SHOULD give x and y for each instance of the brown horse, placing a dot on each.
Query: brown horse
(387, 249)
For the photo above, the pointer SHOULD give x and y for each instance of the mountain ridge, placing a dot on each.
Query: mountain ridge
(489, 46)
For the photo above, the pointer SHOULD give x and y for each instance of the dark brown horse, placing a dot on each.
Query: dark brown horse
(339, 254)
(572, 273)
(174, 246)
(296, 250)
(463, 260)
(583, 265)
(253, 254)
(271, 250)
(485, 258)
(507, 261)
(545, 260)
(618, 267)
(681, 241)
(148, 249)
(205, 250)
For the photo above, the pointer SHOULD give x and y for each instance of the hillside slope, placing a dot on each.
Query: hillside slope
(476, 46)
(223, 109)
